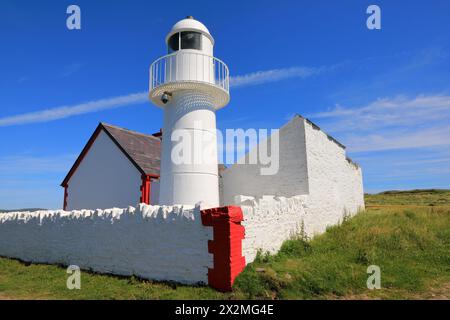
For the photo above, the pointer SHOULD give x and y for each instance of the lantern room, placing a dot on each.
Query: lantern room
(190, 34)
(189, 65)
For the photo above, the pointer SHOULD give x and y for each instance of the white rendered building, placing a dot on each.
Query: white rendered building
(117, 168)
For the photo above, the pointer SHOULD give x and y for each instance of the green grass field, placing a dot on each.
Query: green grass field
(407, 234)
(431, 197)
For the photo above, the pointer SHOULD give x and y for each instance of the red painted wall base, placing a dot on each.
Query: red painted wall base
(226, 246)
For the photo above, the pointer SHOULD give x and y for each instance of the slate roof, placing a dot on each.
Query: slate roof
(143, 150)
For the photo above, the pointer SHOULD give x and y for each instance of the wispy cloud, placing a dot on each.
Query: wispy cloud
(51, 114)
(273, 75)
(385, 73)
(427, 167)
(423, 58)
(397, 140)
(391, 123)
(73, 110)
(399, 110)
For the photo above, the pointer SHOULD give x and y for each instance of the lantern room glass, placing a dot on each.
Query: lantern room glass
(185, 40)
(174, 43)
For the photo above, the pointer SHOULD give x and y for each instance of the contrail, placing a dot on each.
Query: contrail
(62, 112)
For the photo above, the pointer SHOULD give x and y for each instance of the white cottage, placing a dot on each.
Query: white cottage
(117, 168)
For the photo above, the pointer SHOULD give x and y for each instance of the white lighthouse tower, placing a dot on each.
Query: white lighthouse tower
(189, 84)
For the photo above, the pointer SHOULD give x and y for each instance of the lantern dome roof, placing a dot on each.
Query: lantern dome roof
(189, 24)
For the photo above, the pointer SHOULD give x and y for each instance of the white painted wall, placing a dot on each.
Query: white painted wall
(186, 178)
(335, 184)
(153, 242)
(104, 179)
(291, 179)
(310, 164)
(269, 221)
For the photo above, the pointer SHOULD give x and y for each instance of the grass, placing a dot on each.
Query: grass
(428, 197)
(36, 281)
(407, 234)
(412, 248)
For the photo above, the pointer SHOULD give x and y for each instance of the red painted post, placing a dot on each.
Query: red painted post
(65, 197)
(226, 246)
(145, 189)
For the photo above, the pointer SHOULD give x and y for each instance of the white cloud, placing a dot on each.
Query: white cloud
(400, 142)
(73, 110)
(391, 123)
(273, 75)
(396, 111)
(393, 140)
(51, 114)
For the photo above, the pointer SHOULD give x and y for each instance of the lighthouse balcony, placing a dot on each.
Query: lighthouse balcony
(190, 70)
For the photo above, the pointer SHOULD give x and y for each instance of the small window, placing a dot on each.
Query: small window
(191, 40)
(174, 43)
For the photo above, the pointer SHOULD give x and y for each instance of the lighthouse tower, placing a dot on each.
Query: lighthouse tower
(189, 84)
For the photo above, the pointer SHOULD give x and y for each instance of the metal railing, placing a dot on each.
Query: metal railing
(189, 67)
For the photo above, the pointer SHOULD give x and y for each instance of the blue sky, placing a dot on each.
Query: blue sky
(385, 93)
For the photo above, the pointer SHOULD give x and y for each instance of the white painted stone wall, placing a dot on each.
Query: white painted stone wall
(153, 242)
(291, 179)
(335, 183)
(312, 164)
(269, 221)
(104, 179)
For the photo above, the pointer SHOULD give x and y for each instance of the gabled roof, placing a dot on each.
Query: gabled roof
(143, 150)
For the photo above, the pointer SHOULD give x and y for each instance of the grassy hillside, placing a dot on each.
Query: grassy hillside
(407, 234)
(412, 248)
(427, 197)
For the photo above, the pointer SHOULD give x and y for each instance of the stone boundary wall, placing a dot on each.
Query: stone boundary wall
(335, 182)
(269, 221)
(153, 242)
(177, 243)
